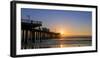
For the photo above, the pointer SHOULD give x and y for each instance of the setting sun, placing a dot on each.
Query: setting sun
(62, 32)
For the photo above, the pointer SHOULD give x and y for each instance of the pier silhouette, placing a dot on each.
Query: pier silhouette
(32, 34)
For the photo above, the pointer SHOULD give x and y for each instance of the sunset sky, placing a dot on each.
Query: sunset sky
(66, 22)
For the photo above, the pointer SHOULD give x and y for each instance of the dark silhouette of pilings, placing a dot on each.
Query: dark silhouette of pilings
(32, 37)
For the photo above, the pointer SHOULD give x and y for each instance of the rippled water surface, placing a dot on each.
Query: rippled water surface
(63, 42)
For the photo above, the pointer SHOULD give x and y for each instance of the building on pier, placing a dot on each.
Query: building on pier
(31, 35)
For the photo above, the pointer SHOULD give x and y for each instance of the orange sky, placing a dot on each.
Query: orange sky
(69, 31)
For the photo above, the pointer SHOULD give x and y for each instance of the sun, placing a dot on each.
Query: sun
(62, 33)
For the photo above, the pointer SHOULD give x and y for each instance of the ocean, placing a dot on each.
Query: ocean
(62, 42)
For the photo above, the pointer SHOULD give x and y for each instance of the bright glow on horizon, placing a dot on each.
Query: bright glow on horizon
(62, 33)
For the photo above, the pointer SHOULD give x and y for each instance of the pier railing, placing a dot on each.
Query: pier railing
(31, 21)
(29, 24)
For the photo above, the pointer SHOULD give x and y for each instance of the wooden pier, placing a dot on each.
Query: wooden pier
(33, 33)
